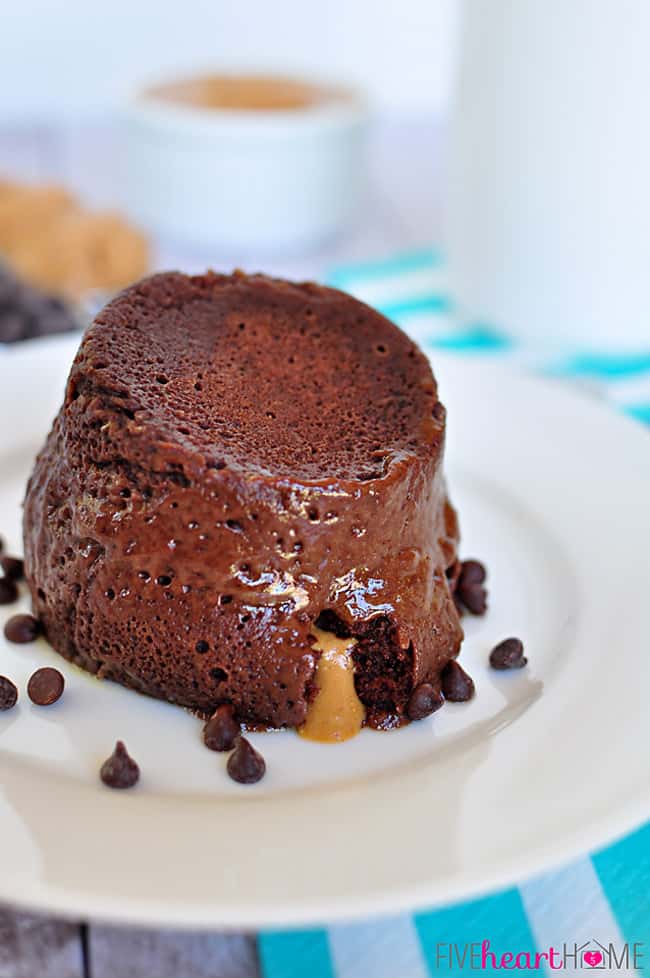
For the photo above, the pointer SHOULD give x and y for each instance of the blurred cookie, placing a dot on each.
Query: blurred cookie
(53, 242)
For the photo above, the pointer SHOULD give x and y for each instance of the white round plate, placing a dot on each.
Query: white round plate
(553, 492)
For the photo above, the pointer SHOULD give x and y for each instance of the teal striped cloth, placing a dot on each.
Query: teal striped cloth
(604, 898)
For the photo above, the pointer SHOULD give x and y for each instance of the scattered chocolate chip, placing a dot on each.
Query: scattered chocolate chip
(457, 686)
(8, 591)
(119, 770)
(245, 765)
(45, 686)
(469, 588)
(221, 730)
(474, 598)
(22, 628)
(13, 567)
(8, 693)
(202, 646)
(508, 654)
(425, 699)
(473, 572)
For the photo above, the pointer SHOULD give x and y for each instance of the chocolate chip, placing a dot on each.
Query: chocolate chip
(202, 646)
(457, 686)
(45, 686)
(469, 588)
(245, 765)
(13, 567)
(119, 770)
(474, 598)
(425, 699)
(473, 572)
(8, 693)
(508, 654)
(8, 591)
(222, 729)
(22, 628)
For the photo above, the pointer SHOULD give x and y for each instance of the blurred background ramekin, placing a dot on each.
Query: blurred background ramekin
(279, 178)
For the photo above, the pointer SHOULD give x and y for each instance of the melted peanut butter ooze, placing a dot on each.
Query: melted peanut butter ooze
(337, 713)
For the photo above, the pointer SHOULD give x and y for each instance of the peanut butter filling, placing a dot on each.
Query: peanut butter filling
(337, 713)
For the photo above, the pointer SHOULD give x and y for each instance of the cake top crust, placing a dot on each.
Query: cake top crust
(264, 375)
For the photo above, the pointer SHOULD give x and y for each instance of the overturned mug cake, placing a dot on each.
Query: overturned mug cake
(242, 501)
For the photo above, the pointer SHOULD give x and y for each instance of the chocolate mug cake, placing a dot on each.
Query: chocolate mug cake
(242, 501)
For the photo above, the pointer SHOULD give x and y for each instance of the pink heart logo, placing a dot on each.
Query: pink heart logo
(592, 958)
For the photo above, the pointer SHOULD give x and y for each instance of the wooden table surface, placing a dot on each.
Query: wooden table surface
(402, 211)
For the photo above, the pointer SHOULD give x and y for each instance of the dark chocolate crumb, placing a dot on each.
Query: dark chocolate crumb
(22, 628)
(119, 770)
(26, 312)
(8, 693)
(457, 686)
(425, 700)
(221, 730)
(45, 686)
(508, 654)
(245, 764)
(8, 591)
(13, 567)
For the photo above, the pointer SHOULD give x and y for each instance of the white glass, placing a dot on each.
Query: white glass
(549, 196)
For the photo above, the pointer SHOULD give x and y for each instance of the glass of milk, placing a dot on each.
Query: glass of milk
(549, 198)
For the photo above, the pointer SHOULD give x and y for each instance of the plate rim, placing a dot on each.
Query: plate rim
(188, 917)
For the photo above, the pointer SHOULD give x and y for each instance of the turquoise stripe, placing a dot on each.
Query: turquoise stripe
(471, 339)
(639, 411)
(499, 919)
(295, 954)
(605, 366)
(624, 871)
(424, 304)
(401, 264)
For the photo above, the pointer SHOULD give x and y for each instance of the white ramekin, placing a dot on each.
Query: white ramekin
(243, 179)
